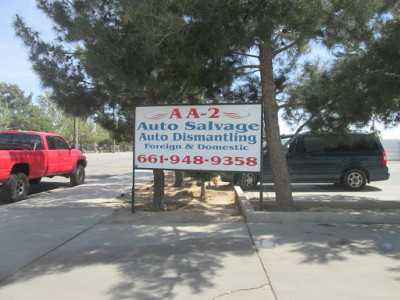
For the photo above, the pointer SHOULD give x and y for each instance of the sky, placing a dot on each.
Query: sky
(15, 67)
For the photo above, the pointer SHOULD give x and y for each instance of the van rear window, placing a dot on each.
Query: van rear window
(364, 142)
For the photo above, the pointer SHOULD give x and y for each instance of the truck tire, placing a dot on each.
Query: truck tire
(16, 187)
(77, 177)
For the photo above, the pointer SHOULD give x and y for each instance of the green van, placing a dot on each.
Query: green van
(351, 159)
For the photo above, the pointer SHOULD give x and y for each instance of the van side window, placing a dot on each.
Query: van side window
(313, 144)
(336, 143)
(344, 143)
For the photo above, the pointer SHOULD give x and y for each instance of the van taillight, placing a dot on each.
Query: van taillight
(384, 159)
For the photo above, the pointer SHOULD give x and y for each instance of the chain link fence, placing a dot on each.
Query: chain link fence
(104, 148)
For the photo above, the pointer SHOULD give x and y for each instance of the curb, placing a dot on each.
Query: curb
(252, 216)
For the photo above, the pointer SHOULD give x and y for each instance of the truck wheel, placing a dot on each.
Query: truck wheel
(78, 176)
(248, 181)
(354, 179)
(16, 187)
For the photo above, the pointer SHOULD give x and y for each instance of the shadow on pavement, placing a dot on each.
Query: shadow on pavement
(48, 185)
(147, 262)
(318, 187)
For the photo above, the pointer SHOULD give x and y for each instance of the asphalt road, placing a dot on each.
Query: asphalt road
(104, 165)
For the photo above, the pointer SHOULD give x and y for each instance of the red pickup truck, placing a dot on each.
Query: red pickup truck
(27, 156)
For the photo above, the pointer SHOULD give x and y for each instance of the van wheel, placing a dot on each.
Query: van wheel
(78, 176)
(16, 187)
(354, 179)
(248, 181)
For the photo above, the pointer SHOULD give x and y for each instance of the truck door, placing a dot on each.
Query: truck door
(37, 156)
(60, 158)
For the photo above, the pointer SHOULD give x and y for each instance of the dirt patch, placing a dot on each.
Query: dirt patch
(182, 204)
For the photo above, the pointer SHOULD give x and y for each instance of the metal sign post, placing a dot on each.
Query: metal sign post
(133, 172)
(261, 206)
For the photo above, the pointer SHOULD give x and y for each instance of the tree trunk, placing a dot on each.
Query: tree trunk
(203, 188)
(159, 184)
(76, 134)
(276, 153)
(158, 197)
(178, 178)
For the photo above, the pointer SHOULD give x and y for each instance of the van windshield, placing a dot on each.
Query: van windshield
(283, 141)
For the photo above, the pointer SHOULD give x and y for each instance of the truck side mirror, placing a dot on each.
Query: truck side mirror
(73, 146)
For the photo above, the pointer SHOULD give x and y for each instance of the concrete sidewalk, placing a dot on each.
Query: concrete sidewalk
(170, 261)
(62, 246)
(335, 261)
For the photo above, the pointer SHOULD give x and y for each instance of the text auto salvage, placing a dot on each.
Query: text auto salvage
(230, 132)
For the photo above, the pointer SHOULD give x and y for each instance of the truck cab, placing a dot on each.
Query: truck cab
(27, 156)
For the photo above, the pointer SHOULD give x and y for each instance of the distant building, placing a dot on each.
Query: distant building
(392, 148)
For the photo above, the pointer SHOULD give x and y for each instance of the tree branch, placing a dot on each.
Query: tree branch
(297, 132)
(277, 36)
(245, 54)
(285, 48)
(252, 72)
(284, 106)
(249, 67)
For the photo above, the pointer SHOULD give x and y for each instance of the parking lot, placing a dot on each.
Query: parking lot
(377, 190)
(104, 165)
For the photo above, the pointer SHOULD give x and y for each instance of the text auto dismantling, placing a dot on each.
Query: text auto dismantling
(234, 136)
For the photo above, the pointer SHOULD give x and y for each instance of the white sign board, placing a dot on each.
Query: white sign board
(201, 137)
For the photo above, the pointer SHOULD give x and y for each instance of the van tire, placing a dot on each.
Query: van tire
(16, 188)
(248, 181)
(77, 177)
(354, 179)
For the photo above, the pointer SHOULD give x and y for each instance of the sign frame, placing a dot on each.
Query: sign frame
(239, 125)
(164, 135)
